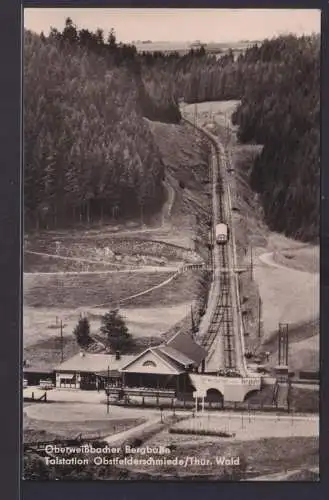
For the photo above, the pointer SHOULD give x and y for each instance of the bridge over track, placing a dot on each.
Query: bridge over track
(231, 389)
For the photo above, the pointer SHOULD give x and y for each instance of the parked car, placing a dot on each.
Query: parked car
(46, 384)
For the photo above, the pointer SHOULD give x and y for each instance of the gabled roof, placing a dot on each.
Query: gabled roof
(37, 370)
(176, 355)
(94, 363)
(169, 359)
(184, 344)
(172, 366)
(179, 352)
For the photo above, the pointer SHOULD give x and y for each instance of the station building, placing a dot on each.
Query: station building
(172, 371)
(165, 367)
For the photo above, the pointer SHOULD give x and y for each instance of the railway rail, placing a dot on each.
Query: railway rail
(226, 320)
(221, 323)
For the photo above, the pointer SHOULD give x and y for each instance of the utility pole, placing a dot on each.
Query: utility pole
(259, 316)
(61, 329)
(283, 350)
(279, 347)
(108, 391)
(251, 263)
(194, 329)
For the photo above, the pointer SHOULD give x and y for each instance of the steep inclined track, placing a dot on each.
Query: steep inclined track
(221, 329)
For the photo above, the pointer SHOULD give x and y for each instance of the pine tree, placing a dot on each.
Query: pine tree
(116, 332)
(82, 332)
(112, 39)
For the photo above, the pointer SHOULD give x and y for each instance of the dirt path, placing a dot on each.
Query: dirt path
(151, 289)
(268, 258)
(133, 432)
(167, 208)
(144, 269)
(289, 295)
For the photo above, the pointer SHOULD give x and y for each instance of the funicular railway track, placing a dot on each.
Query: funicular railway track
(221, 323)
(223, 338)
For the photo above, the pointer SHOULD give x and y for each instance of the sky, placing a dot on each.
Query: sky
(180, 25)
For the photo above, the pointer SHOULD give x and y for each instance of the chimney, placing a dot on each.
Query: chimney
(117, 355)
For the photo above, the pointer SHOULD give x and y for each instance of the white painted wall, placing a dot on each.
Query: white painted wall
(161, 366)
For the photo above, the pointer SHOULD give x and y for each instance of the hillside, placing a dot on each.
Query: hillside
(282, 112)
(88, 152)
(278, 84)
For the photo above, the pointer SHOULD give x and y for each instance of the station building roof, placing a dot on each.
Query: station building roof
(178, 353)
(174, 357)
(184, 344)
(94, 363)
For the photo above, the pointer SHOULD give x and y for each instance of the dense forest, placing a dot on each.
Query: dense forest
(278, 84)
(89, 153)
(282, 112)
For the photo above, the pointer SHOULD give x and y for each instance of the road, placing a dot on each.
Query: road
(87, 406)
(119, 438)
(268, 258)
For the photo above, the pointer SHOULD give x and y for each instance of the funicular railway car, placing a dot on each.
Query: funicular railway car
(221, 233)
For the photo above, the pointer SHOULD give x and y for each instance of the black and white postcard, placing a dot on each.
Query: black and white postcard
(171, 244)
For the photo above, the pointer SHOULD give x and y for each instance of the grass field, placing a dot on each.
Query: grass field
(217, 109)
(41, 332)
(46, 353)
(301, 399)
(304, 343)
(305, 400)
(116, 244)
(257, 456)
(92, 249)
(289, 296)
(39, 430)
(71, 292)
(251, 427)
(182, 289)
(52, 264)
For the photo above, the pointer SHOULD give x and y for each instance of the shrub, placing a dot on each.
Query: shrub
(200, 432)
